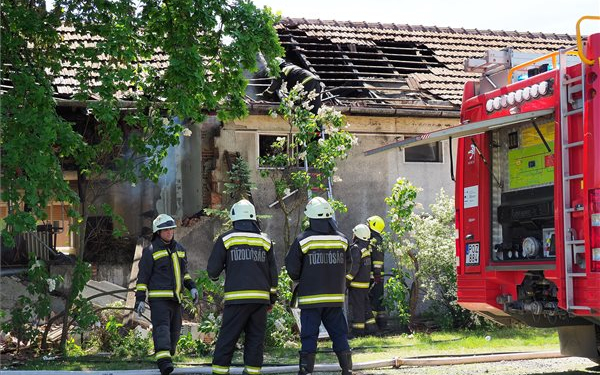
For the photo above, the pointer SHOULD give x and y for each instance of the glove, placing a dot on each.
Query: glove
(140, 307)
(273, 298)
(194, 293)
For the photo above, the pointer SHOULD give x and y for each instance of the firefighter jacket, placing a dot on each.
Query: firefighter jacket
(319, 262)
(360, 273)
(163, 272)
(294, 74)
(248, 259)
(376, 253)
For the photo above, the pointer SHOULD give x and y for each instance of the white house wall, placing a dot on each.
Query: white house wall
(366, 180)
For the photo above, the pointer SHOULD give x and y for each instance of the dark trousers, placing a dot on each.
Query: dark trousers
(250, 318)
(166, 326)
(335, 323)
(360, 308)
(376, 297)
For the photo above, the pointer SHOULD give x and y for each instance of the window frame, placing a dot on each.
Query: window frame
(440, 149)
(258, 153)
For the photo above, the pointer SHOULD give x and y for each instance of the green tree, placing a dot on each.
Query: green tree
(428, 250)
(301, 161)
(401, 204)
(238, 187)
(143, 64)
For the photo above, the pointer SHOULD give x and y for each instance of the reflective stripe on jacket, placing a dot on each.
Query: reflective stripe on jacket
(319, 261)
(360, 274)
(377, 255)
(163, 272)
(250, 263)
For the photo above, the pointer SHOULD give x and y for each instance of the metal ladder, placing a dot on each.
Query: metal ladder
(573, 246)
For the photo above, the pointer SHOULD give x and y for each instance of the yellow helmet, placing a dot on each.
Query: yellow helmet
(376, 223)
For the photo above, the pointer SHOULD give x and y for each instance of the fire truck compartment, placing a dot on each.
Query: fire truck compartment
(523, 200)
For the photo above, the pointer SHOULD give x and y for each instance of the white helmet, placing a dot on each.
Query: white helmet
(362, 231)
(163, 221)
(242, 210)
(318, 208)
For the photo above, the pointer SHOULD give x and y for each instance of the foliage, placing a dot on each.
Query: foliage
(74, 350)
(396, 295)
(238, 187)
(82, 308)
(187, 344)
(280, 328)
(109, 335)
(211, 292)
(32, 309)
(133, 345)
(433, 239)
(284, 287)
(280, 321)
(207, 46)
(316, 142)
(430, 248)
(402, 203)
(204, 48)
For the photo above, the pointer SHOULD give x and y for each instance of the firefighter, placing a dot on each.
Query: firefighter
(362, 320)
(318, 261)
(162, 275)
(376, 224)
(292, 75)
(250, 288)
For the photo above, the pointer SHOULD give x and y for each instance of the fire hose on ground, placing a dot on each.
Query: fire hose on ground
(378, 364)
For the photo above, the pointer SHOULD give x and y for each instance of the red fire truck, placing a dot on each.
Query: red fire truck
(528, 192)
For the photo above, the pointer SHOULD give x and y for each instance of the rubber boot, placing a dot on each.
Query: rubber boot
(307, 363)
(382, 320)
(345, 360)
(165, 366)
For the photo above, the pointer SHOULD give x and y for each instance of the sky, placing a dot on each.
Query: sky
(550, 16)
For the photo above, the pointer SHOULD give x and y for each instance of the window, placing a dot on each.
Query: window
(428, 153)
(265, 146)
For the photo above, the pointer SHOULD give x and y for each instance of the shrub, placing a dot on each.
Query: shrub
(396, 294)
(32, 310)
(280, 323)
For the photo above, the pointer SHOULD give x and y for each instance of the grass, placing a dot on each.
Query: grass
(364, 349)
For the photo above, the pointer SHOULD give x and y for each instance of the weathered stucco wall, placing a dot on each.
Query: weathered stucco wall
(366, 180)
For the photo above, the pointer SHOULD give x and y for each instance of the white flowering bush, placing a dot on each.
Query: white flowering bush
(427, 250)
(307, 158)
(432, 242)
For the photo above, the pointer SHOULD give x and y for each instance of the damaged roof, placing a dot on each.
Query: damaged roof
(397, 66)
(389, 68)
